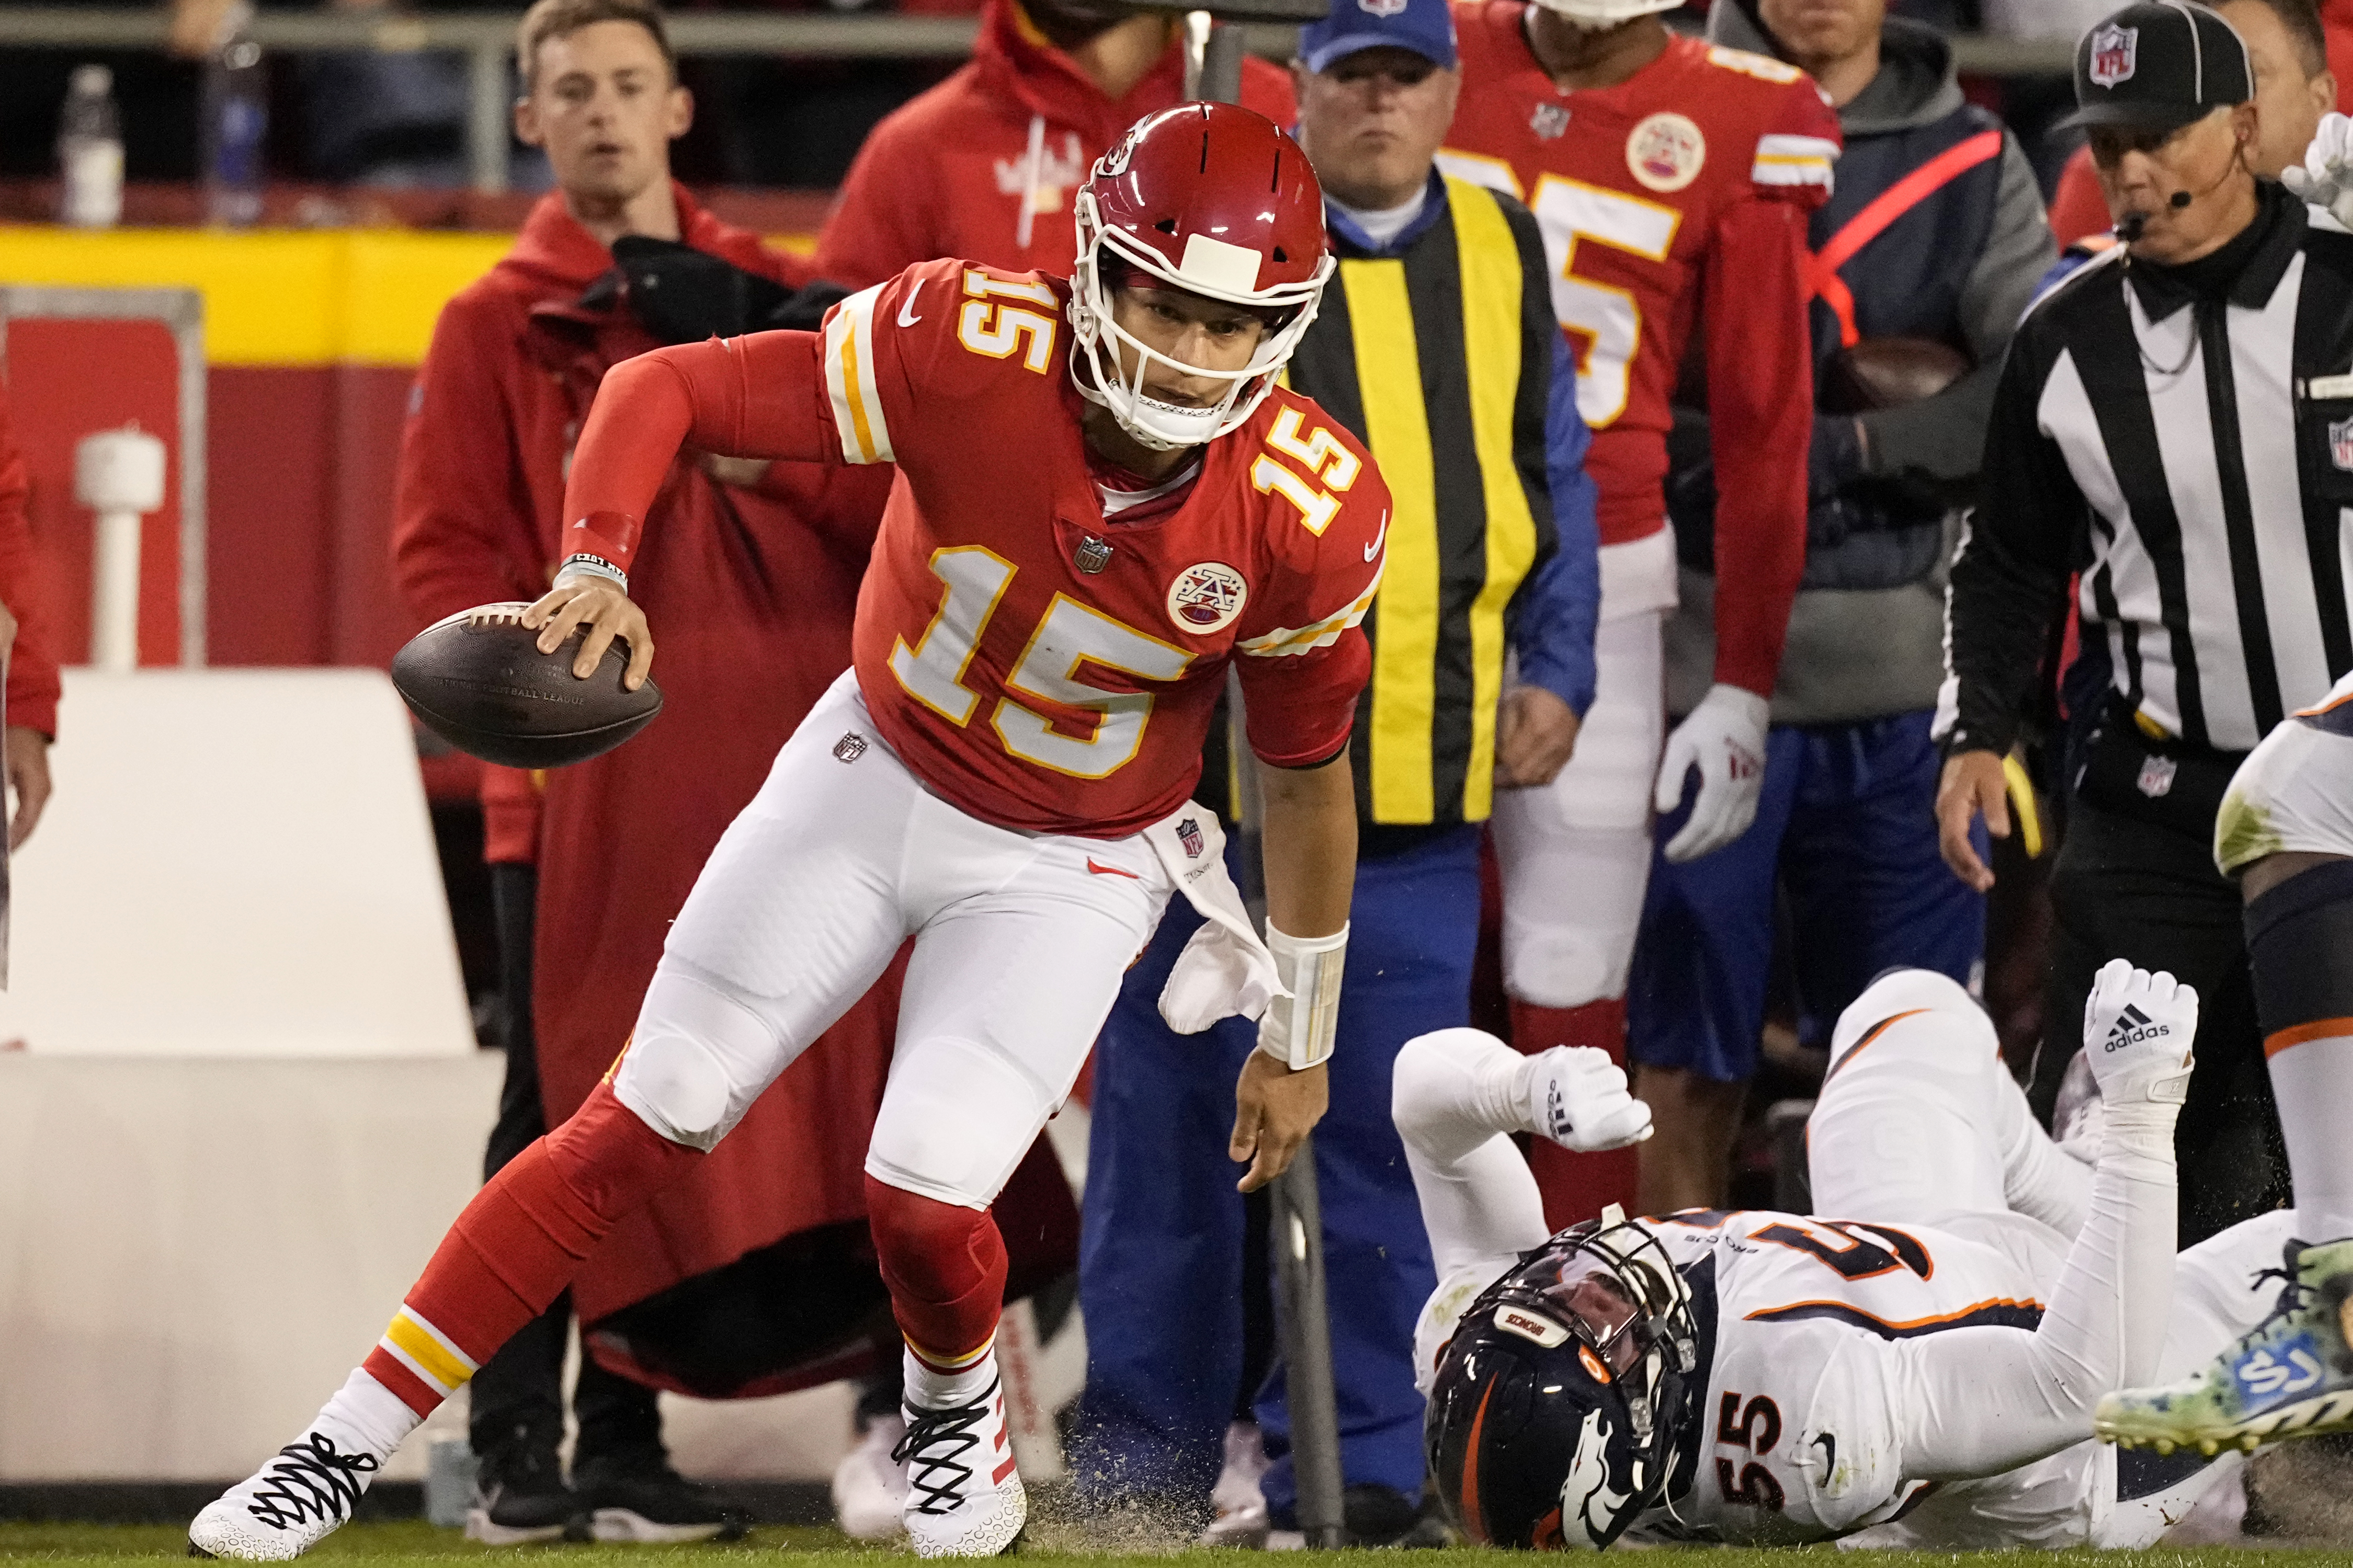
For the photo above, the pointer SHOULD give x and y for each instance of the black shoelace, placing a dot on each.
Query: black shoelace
(2293, 1289)
(311, 1480)
(935, 1445)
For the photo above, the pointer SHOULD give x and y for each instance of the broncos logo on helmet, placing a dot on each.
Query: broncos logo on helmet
(1562, 1400)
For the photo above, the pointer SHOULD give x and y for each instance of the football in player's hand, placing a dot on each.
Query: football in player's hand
(1888, 372)
(478, 682)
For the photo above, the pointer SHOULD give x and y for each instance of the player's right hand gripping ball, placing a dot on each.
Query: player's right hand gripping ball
(1579, 1100)
(478, 682)
(2137, 1031)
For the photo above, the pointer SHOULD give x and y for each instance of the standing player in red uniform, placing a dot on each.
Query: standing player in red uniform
(1673, 182)
(1078, 541)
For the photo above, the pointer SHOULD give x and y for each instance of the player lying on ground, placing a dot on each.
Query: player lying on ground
(1930, 1371)
(2285, 831)
(1076, 546)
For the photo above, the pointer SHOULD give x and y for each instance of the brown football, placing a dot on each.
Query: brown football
(1887, 372)
(478, 682)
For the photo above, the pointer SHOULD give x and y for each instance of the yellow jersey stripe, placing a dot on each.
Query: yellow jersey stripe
(1405, 642)
(1492, 283)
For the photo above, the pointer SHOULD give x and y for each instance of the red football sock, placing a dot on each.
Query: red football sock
(519, 1243)
(1577, 1186)
(945, 1266)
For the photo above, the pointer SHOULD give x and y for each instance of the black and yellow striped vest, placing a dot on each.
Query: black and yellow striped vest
(1440, 359)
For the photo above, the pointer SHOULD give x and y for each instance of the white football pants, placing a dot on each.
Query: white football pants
(1920, 1120)
(1576, 852)
(1021, 941)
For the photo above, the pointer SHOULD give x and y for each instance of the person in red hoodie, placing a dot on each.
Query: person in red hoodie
(983, 165)
(31, 650)
(768, 558)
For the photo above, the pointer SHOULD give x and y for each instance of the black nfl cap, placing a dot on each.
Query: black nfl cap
(2160, 66)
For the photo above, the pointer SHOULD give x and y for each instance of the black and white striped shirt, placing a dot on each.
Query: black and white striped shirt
(2189, 449)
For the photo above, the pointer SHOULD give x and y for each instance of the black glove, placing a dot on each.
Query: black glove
(683, 295)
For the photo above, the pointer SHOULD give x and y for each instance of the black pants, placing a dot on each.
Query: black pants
(2125, 888)
(518, 1396)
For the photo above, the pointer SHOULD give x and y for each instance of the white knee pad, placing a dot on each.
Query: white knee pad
(702, 1052)
(1576, 852)
(955, 1120)
(1909, 1124)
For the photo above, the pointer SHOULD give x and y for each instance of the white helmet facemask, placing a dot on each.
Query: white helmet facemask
(1210, 268)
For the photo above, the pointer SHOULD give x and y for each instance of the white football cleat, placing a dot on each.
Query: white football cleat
(869, 1488)
(295, 1502)
(964, 1498)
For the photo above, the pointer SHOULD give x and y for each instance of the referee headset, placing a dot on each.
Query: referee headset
(2131, 225)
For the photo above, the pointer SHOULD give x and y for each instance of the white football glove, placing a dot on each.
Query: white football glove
(1577, 1097)
(1723, 738)
(2325, 179)
(2137, 1030)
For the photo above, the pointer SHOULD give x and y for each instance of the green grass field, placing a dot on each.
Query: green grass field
(394, 1545)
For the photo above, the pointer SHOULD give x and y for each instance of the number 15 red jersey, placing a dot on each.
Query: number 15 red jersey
(1678, 196)
(1037, 666)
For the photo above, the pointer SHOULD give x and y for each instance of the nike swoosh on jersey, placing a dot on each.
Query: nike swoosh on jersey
(1102, 870)
(1374, 547)
(907, 317)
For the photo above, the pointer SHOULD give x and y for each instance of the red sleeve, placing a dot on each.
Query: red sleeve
(2077, 208)
(1302, 657)
(33, 658)
(1761, 412)
(831, 396)
(759, 396)
(881, 221)
(463, 531)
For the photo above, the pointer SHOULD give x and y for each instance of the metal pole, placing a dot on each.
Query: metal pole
(1303, 1316)
(1221, 64)
(1302, 1310)
(489, 111)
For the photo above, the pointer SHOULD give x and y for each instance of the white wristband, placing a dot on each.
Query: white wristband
(1298, 1030)
(589, 565)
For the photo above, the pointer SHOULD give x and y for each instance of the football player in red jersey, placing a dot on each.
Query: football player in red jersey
(1673, 182)
(1078, 542)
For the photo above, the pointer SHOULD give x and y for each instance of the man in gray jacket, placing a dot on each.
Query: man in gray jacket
(1936, 234)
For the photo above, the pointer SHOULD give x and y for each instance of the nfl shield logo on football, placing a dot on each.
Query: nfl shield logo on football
(2340, 443)
(2114, 51)
(1206, 598)
(1381, 7)
(1188, 833)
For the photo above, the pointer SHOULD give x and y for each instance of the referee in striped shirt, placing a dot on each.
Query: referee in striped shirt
(1437, 345)
(2174, 427)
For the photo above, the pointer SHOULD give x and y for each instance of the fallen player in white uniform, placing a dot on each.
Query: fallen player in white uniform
(1923, 1378)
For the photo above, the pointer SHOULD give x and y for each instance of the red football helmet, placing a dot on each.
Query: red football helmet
(1210, 198)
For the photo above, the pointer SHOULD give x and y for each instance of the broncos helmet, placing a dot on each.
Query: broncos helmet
(1553, 1419)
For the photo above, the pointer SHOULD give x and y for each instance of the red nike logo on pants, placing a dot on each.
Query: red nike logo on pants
(1101, 870)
